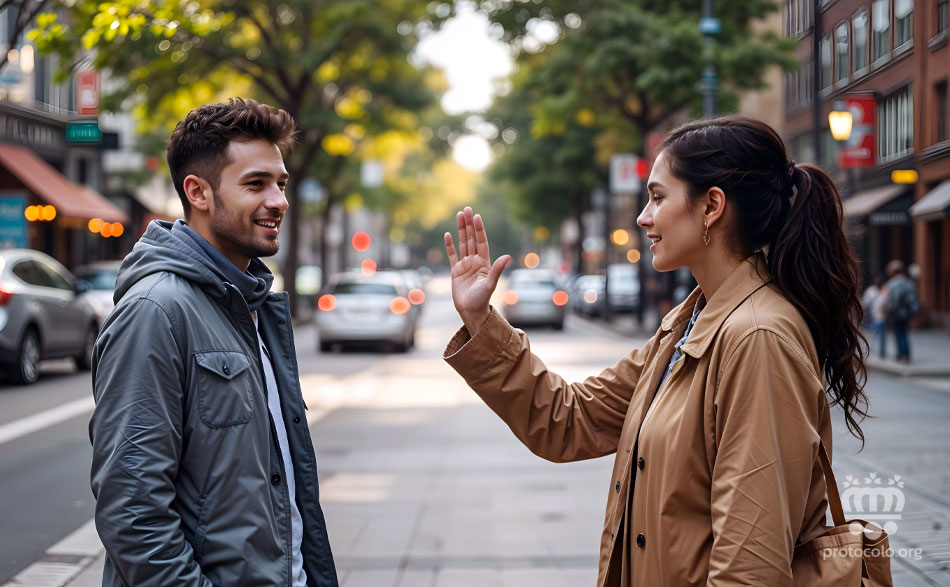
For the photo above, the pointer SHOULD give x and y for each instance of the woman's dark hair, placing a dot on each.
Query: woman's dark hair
(199, 143)
(793, 212)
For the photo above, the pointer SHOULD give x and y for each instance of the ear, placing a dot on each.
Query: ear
(198, 192)
(715, 206)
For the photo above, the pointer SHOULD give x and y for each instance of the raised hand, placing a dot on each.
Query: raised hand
(474, 276)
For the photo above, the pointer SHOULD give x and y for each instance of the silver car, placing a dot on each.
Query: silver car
(42, 315)
(100, 279)
(357, 308)
(533, 299)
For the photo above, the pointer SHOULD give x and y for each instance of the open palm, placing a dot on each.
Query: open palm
(474, 276)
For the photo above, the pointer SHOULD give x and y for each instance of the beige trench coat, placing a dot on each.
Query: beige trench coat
(722, 480)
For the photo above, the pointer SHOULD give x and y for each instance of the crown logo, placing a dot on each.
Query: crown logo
(873, 500)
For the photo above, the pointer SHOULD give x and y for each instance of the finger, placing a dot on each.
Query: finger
(450, 249)
(481, 238)
(470, 231)
(463, 239)
(497, 268)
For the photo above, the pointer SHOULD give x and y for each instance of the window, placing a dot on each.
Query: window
(798, 87)
(53, 277)
(859, 29)
(841, 52)
(904, 15)
(825, 62)
(941, 105)
(881, 21)
(797, 17)
(895, 132)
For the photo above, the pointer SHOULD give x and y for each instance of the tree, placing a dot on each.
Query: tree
(23, 12)
(339, 67)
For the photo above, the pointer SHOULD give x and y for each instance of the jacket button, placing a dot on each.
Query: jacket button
(617, 487)
(296, 419)
(226, 369)
(641, 463)
(641, 540)
(275, 479)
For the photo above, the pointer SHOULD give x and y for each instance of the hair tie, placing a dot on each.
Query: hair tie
(791, 170)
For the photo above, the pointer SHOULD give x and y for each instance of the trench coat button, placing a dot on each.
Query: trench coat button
(296, 419)
(275, 478)
(617, 486)
(641, 540)
(641, 463)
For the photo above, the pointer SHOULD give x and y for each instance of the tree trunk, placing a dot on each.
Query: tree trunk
(578, 206)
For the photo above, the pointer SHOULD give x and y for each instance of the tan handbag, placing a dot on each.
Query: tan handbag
(851, 554)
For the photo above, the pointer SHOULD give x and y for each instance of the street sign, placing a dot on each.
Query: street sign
(859, 151)
(625, 170)
(87, 92)
(83, 131)
(12, 221)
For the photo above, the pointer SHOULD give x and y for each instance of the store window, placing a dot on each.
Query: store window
(881, 23)
(841, 52)
(895, 133)
(859, 50)
(825, 62)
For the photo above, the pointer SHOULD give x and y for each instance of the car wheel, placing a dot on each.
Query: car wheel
(558, 325)
(26, 369)
(84, 358)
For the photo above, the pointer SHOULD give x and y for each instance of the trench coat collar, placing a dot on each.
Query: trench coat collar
(751, 275)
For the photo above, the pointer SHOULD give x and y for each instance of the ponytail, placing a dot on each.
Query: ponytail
(813, 265)
(795, 213)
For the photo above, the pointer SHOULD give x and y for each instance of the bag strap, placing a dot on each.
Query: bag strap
(831, 486)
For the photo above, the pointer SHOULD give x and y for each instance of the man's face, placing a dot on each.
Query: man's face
(249, 205)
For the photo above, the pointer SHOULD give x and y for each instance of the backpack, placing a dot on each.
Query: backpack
(905, 304)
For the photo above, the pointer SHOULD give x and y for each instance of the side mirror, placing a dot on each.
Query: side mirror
(82, 286)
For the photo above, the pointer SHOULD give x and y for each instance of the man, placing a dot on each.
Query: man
(203, 468)
(902, 305)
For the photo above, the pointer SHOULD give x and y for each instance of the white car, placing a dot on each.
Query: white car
(356, 308)
(533, 299)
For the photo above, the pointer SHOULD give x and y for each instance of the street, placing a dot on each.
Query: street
(423, 486)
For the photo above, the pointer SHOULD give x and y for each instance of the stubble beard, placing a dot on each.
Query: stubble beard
(228, 228)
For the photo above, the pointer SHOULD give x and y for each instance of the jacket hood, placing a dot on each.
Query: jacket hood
(161, 249)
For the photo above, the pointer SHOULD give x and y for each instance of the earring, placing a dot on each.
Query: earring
(706, 234)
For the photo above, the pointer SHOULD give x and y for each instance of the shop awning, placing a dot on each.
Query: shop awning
(865, 202)
(71, 199)
(934, 206)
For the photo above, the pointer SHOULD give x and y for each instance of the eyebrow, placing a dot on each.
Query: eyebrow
(258, 173)
(653, 185)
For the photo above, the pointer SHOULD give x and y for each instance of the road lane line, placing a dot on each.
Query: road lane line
(45, 419)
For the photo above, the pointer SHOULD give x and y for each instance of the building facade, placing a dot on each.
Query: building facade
(889, 62)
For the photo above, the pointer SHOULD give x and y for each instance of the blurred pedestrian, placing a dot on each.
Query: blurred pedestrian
(203, 468)
(874, 301)
(718, 420)
(902, 305)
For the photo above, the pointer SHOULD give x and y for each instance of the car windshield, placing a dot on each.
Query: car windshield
(104, 280)
(380, 289)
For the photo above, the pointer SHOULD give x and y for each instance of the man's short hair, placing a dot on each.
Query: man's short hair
(199, 143)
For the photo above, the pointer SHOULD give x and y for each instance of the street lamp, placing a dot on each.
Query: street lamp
(840, 121)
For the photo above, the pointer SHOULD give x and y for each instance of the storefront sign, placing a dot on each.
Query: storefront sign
(12, 222)
(859, 150)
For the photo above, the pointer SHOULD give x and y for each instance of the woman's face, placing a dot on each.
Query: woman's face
(675, 229)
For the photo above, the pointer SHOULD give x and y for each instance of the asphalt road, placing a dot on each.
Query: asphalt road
(44, 488)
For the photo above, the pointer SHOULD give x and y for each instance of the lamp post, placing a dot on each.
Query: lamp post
(840, 121)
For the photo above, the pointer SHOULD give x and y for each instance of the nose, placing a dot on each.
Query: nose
(276, 200)
(645, 219)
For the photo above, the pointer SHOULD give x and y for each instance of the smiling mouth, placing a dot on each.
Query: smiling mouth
(273, 224)
(656, 239)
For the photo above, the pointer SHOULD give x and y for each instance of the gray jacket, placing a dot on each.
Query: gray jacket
(186, 471)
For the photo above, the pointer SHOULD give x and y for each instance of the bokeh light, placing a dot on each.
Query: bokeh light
(399, 305)
(590, 296)
(361, 241)
(511, 297)
(559, 298)
(48, 213)
(416, 296)
(95, 224)
(531, 260)
(327, 303)
(619, 237)
(32, 213)
(368, 267)
(633, 255)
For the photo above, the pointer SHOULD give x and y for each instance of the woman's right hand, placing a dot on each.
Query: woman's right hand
(474, 276)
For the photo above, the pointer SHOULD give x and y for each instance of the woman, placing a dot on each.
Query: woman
(717, 420)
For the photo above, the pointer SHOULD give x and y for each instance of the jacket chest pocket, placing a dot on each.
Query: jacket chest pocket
(224, 388)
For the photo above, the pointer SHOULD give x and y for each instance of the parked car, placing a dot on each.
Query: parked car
(587, 295)
(417, 290)
(532, 298)
(357, 308)
(623, 287)
(100, 279)
(42, 315)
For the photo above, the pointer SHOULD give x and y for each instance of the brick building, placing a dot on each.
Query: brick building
(892, 56)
